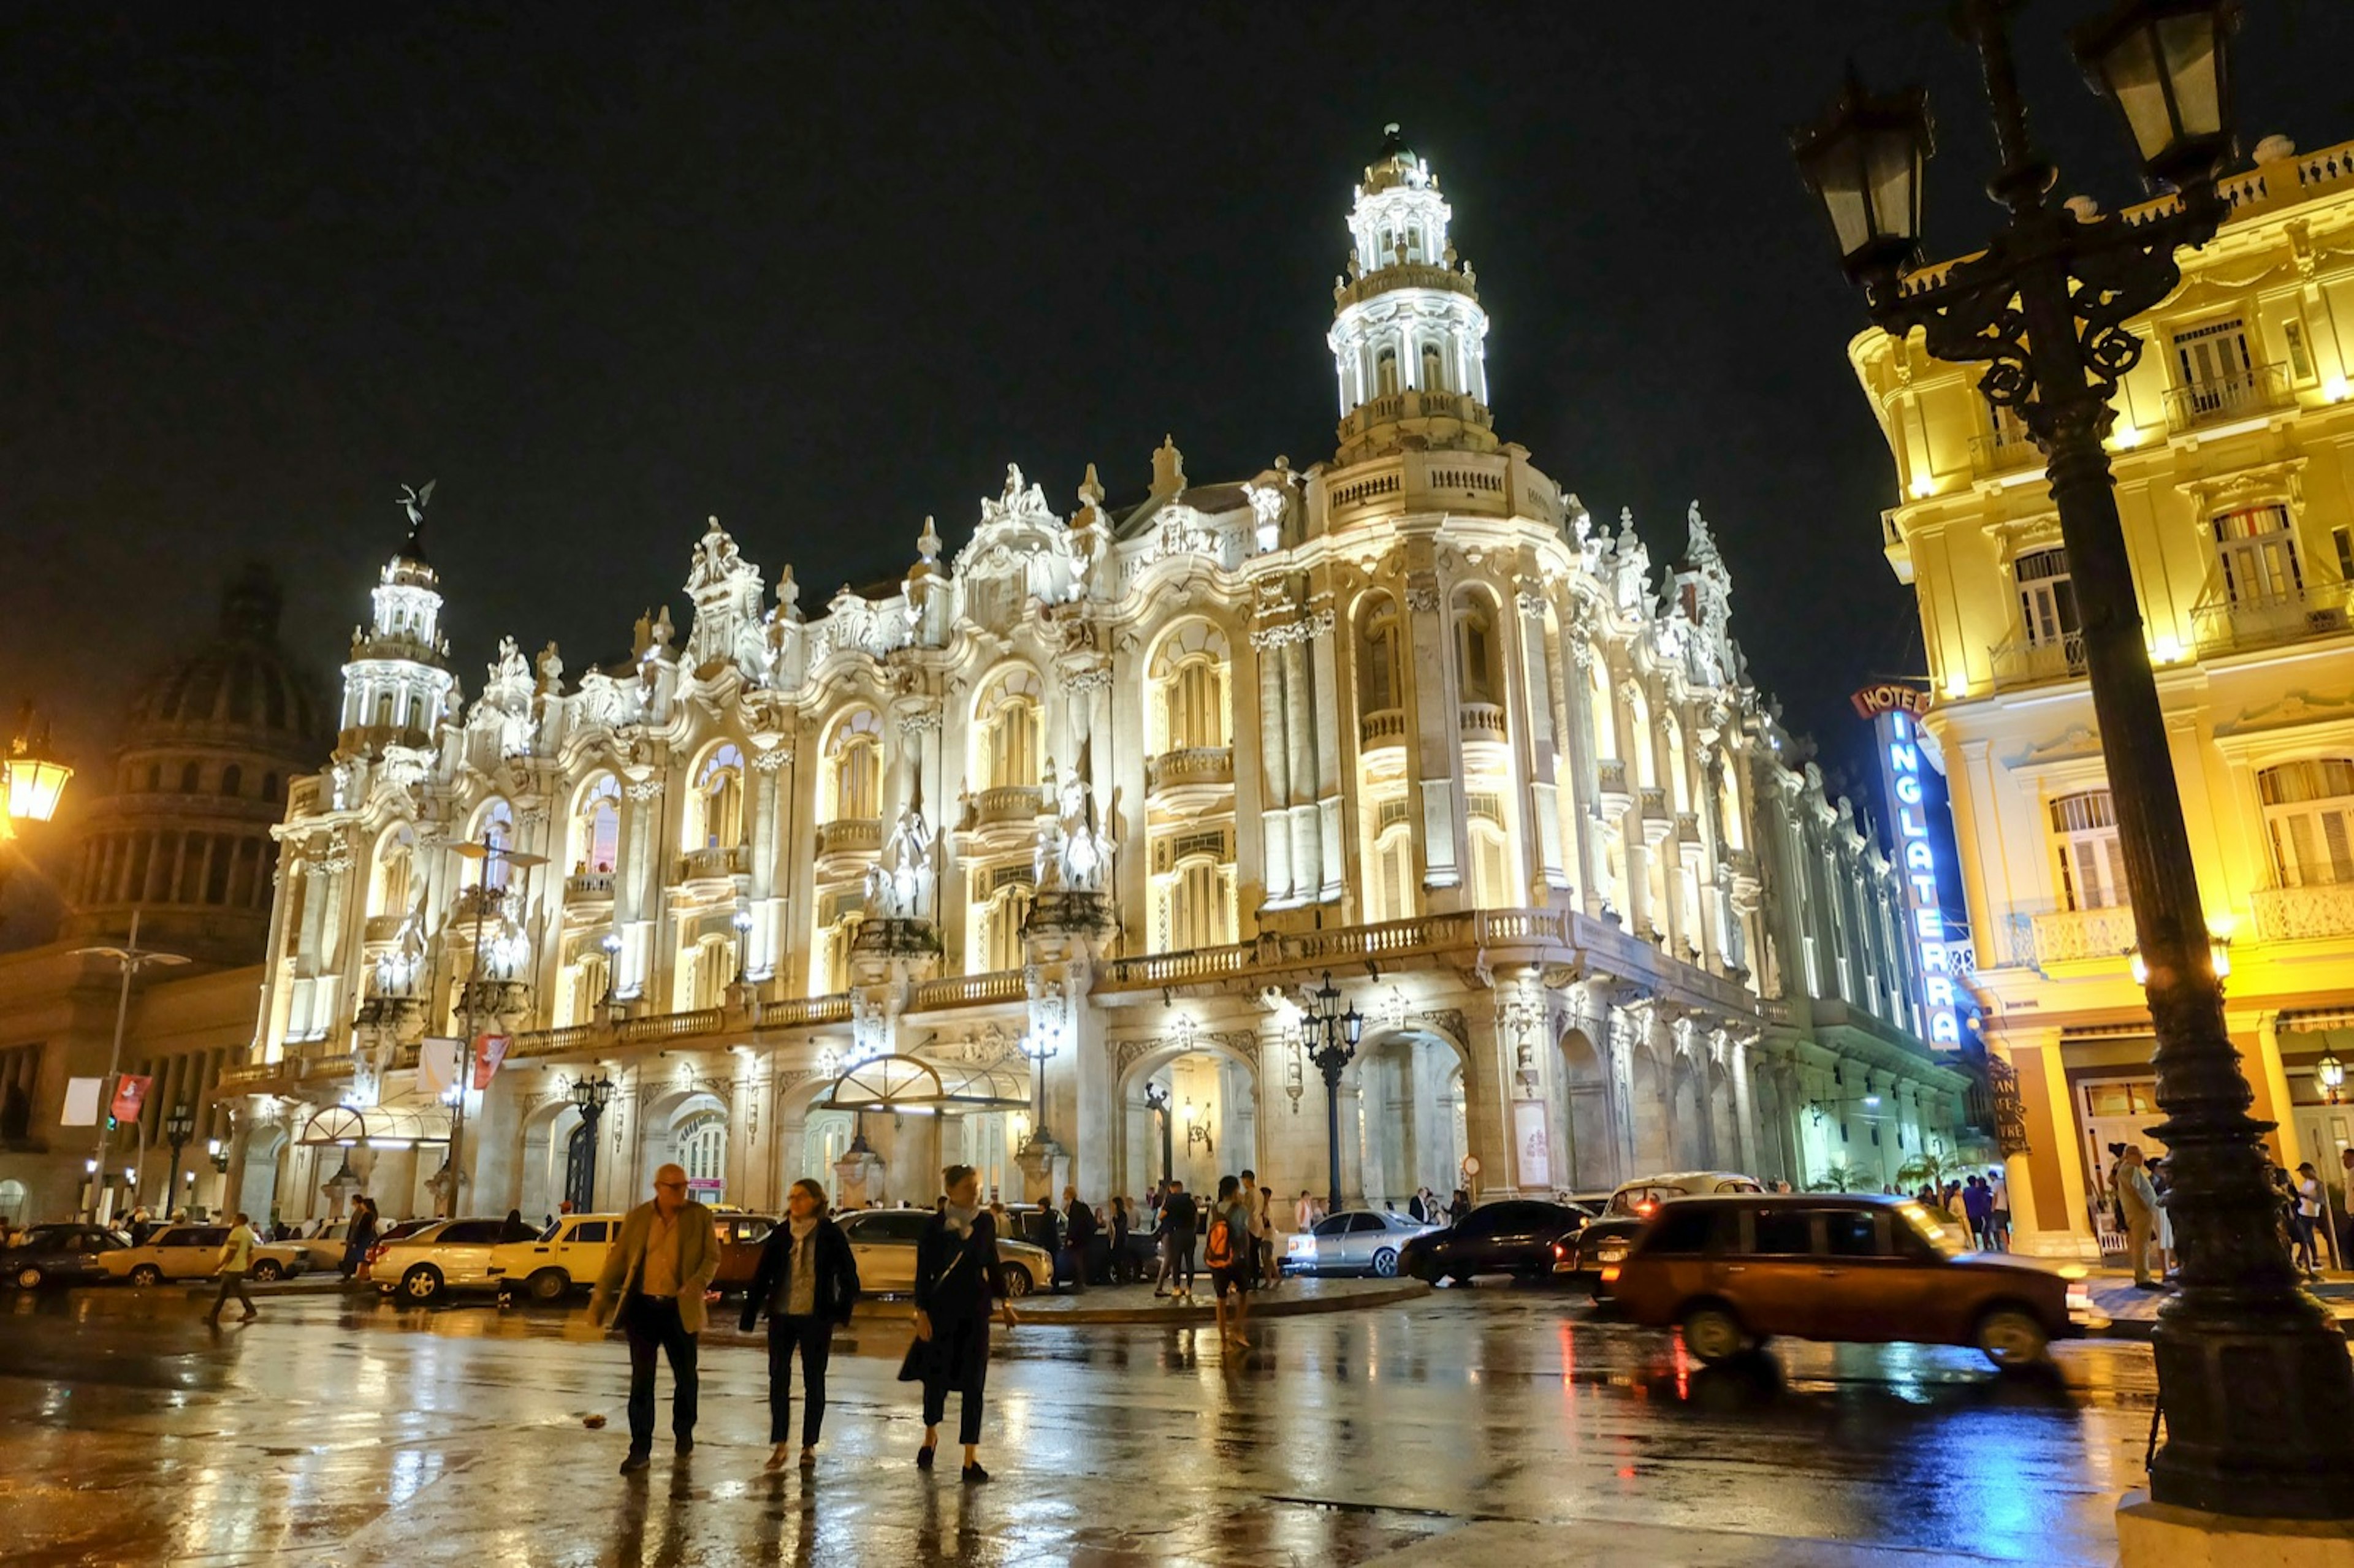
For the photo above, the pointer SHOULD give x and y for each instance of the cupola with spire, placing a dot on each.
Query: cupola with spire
(398, 685)
(1408, 335)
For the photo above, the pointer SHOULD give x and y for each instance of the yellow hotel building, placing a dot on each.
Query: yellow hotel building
(2233, 449)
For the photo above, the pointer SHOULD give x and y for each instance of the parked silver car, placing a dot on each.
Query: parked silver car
(1354, 1241)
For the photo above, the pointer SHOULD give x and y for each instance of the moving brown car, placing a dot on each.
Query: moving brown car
(1733, 1272)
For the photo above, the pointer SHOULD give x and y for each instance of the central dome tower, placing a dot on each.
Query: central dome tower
(1408, 337)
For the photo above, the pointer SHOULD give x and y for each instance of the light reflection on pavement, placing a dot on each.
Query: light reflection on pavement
(328, 1433)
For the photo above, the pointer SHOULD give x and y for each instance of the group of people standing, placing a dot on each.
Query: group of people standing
(805, 1284)
(1979, 1205)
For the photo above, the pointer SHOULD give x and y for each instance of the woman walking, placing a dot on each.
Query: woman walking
(956, 1275)
(807, 1281)
(359, 1237)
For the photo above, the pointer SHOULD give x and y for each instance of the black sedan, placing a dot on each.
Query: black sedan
(1512, 1235)
(57, 1255)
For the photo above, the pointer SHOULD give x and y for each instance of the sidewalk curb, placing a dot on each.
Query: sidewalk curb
(872, 1309)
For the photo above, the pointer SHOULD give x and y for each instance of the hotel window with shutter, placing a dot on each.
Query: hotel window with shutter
(2309, 821)
(2091, 867)
(2256, 550)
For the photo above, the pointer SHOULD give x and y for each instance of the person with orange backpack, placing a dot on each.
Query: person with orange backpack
(1227, 1256)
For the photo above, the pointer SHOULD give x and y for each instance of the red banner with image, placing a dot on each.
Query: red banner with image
(130, 1095)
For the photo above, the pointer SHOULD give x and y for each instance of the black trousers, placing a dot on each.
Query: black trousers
(959, 1363)
(653, 1323)
(232, 1283)
(813, 1338)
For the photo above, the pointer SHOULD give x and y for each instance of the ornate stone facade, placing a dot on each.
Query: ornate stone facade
(1113, 789)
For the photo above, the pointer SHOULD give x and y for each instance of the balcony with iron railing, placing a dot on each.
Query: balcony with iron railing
(2225, 624)
(2068, 936)
(2302, 914)
(2003, 451)
(2218, 399)
(2024, 662)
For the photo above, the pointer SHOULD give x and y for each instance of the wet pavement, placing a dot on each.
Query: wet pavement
(1494, 1425)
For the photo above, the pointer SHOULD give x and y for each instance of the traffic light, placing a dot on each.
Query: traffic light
(112, 1125)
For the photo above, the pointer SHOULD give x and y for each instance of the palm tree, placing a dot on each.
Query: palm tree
(1925, 1169)
(1839, 1177)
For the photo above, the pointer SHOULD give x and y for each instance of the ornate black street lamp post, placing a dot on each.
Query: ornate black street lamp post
(591, 1095)
(2254, 1380)
(1333, 1036)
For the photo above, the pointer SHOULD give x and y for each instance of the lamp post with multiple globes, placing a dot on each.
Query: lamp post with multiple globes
(2253, 1378)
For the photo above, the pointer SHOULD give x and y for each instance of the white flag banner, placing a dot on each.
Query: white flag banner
(437, 1067)
(81, 1102)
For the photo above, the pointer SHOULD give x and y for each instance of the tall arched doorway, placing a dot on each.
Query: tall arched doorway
(1410, 1117)
(1207, 1125)
(1590, 1163)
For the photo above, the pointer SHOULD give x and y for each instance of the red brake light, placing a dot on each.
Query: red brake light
(1645, 1207)
(1609, 1274)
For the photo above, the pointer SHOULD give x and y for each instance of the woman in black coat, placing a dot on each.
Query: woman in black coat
(956, 1275)
(807, 1281)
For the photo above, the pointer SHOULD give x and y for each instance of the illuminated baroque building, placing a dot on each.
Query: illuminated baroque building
(2233, 449)
(1074, 817)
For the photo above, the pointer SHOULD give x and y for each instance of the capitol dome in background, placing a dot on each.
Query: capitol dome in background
(198, 779)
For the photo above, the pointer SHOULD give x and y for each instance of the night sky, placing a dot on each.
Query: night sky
(602, 271)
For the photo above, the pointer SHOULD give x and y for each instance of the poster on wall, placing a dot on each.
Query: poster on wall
(1529, 1138)
(81, 1102)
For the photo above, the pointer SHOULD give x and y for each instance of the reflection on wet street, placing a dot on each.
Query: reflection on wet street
(334, 1433)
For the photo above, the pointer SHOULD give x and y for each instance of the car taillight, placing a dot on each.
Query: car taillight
(1559, 1250)
(1645, 1208)
(1609, 1274)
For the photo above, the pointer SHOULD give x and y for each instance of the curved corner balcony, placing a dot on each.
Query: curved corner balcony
(1480, 721)
(847, 838)
(1379, 731)
(589, 887)
(1190, 776)
(714, 863)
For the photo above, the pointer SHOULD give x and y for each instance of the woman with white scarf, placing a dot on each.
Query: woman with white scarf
(807, 1281)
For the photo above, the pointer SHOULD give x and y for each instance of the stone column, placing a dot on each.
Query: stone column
(1744, 1113)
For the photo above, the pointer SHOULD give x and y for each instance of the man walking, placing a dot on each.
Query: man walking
(236, 1257)
(652, 1285)
(1998, 1210)
(2138, 1200)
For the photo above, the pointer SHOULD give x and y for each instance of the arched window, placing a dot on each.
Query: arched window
(496, 833)
(711, 968)
(390, 889)
(702, 1144)
(270, 787)
(154, 778)
(1201, 904)
(720, 800)
(596, 828)
(384, 710)
(1475, 650)
(2309, 817)
(1385, 372)
(1433, 372)
(1189, 679)
(1006, 725)
(1379, 686)
(853, 757)
(1638, 736)
(2084, 837)
(190, 778)
(1393, 889)
(232, 782)
(999, 925)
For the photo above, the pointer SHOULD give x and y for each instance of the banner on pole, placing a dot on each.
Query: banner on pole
(437, 1066)
(81, 1102)
(490, 1051)
(130, 1095)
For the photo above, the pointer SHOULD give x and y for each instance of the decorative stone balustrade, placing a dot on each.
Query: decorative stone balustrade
(1378, 730)
(589, 887)
(969, 990)
(1480, 721)
(1614, 796)
(849, 835)
(715, 862)
(1192, 766)
(1005, 804)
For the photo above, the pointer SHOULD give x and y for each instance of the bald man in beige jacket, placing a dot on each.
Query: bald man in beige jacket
(652, 1284)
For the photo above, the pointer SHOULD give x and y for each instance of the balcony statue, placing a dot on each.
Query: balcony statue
(899, 884)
